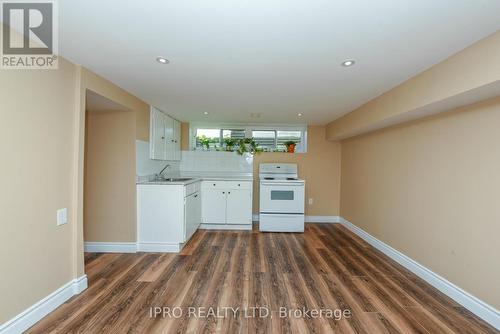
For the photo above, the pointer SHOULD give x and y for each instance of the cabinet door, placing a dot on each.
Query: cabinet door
(213, 203)
(239, 207)
(169, 134)
(176, 153)
(157, 138)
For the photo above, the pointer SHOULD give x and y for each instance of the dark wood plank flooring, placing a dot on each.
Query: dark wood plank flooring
(326, 268)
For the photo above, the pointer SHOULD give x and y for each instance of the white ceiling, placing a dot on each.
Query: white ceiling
(277, 58)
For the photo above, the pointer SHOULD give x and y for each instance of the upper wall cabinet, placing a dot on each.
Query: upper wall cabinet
(164, 136)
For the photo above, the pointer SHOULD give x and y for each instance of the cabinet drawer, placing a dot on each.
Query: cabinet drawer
(214, 185)
(239, 184)
(192, 188)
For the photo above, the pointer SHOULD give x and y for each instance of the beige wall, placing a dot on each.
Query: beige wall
(184, 136)
(91, 81)
(431, 190)
(37, 117)
(473, 69)
(320, 167)
(42, 143)
(106, 88)
(110, 192)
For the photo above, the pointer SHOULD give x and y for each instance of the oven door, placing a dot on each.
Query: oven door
(284, 197)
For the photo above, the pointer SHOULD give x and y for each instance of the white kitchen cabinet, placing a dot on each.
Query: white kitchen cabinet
(176, 144)
(227, 204)
(165, 136)
(157, 136)
(213, 206)
(173, 135)
(167, 215)
(239, 207)
(169, 136)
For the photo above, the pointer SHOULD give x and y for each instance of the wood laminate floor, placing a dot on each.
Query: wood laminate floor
(231, 273)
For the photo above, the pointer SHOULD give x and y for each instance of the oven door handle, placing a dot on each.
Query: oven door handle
(293, 184)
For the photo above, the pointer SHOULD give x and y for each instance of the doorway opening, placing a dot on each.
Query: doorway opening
(109, 199)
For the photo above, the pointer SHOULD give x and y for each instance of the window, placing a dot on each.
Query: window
(208, 136)
(275, 140)
(216, 137)
(268, 138)
(265, 139)
(234, 134)
(285, 136)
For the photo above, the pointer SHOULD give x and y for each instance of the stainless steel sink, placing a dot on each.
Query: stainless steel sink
(172, 179)
(178, 179)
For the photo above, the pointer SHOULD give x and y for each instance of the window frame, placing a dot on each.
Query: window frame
(193, 127)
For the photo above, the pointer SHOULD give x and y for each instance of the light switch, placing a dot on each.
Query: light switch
(62, 216)
(311, 201)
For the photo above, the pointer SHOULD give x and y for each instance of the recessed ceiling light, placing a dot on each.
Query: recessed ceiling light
(162, 60)
(348, 62)
(205, 113)
(299, 114)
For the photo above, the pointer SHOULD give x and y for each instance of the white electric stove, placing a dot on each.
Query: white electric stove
(282, 198)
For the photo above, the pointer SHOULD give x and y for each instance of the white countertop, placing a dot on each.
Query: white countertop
(219, 176)
(226, 178)
(196, 177)
(169, 183)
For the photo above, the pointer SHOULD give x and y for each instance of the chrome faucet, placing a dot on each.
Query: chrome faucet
(158, 176)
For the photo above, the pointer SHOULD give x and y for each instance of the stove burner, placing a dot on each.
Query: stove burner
(291, 178)
(269, 178)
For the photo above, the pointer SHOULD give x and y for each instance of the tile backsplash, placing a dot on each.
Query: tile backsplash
(213, 161)
(146, 167)
(192, 163)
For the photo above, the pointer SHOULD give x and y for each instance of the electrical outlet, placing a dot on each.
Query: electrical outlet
(311, 201)
(62, 216)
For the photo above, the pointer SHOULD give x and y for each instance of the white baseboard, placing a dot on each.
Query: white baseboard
(311, 219)
(242, 227)
(132, 247)
(80, 284)
(478, 307)
(110, 247)
(159, 247)
(34, 313)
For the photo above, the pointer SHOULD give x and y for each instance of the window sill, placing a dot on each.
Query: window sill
(264, 152)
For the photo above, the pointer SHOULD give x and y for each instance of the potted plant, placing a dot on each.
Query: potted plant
(230, 144)
(290, 146)
(248, 145)
(204, 141)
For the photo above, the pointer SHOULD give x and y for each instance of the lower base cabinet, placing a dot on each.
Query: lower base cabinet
(226, 204)
(167, 216)
(213, 205)
(239, 207)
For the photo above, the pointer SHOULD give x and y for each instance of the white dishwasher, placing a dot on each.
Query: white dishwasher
(192, 212)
